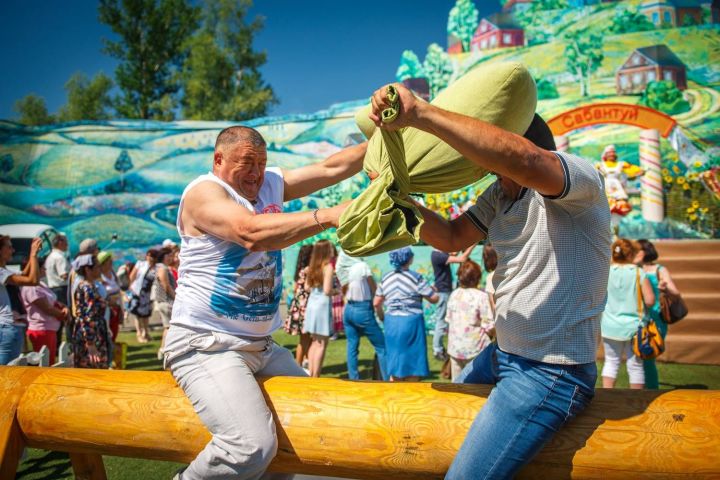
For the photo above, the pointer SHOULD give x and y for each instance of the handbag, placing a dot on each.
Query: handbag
(647, 342)
(672, 309)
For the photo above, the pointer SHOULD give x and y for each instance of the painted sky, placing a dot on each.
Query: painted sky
(319, 51)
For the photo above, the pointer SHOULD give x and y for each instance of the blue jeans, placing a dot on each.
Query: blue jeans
(359, 320)
(12, 339)
(530, 402)
(441, 325)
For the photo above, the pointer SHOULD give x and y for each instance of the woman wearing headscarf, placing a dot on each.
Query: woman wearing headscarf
(90, 331)
(402, 292)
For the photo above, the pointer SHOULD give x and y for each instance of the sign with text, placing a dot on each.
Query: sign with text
(604, 113)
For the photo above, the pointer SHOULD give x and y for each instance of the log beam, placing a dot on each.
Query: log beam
(369, 430)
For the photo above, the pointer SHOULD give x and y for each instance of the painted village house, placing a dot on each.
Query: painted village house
(672, 13)
(454, 45)
(499, 30)
(650, 64)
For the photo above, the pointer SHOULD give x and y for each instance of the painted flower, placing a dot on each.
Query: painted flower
(676, 169)
(693, 217)
(695, 204)
(668, 179)
(680, 180)
(697, 164)
(690, 210)
(665, 172)
(686, 186)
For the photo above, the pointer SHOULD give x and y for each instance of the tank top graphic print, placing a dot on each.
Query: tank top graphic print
(224, 287)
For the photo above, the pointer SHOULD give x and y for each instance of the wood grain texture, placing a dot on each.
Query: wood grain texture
(370, 430)
(13, 382)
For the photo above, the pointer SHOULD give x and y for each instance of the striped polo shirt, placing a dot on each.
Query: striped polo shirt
(404, 291)
(553, 261)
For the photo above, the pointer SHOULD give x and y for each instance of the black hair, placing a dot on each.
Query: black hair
(649, 252)
(540, 134)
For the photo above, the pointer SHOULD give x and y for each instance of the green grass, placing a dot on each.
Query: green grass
(41, 465)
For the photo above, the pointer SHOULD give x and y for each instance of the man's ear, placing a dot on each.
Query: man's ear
(217, 158)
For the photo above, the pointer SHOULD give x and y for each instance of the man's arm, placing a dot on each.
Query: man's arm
(344, 164)
(449, 236)
(208, 209)
(489, 146)
(463, 256)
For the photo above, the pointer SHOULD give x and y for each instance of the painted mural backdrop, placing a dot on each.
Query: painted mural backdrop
(126, 177)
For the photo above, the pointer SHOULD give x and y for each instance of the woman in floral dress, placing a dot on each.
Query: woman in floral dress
(90, 335)
(471, 318)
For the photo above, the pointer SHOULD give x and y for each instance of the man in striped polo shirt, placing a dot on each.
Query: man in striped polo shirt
(547, 216)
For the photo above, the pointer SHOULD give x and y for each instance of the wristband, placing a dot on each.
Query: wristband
(315, 212)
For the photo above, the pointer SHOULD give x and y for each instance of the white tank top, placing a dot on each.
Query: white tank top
(223, 287)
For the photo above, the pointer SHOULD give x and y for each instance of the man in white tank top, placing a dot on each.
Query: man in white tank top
(230, 283)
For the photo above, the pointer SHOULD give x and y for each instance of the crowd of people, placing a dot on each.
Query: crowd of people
(82, 299)
(533, 334)
(389, 310)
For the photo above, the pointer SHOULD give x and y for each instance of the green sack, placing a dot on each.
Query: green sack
(409, 160)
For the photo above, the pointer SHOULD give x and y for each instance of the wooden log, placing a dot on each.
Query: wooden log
(88, 466)
(13, 382)
(369, 430)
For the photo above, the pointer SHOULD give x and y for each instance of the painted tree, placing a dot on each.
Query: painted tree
(410, 67)
(463, 21)
(546, 89)
(151, 35)
(87, 99)
(664, 96)
(220, 77)
(583, 56)
(33, 110)
(628, 20)
(438, 68)
(538, 5)
(123, 164)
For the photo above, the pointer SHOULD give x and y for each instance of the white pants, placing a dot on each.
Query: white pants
(614, 350)
(218, 379)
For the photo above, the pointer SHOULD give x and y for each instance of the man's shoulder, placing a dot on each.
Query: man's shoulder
(203, 186)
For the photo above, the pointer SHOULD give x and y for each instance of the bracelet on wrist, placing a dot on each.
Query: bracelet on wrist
(315, 212)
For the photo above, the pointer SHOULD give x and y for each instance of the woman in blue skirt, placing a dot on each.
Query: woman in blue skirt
(402, 292)
(318, 313)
